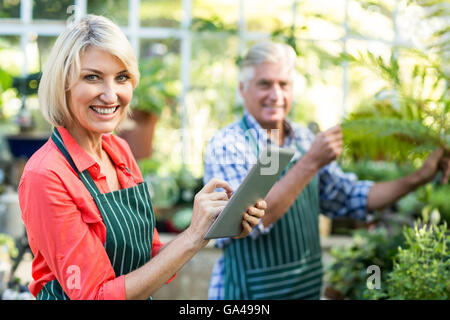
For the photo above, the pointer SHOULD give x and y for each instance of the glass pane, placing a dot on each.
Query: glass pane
(116, 10)
(318, 85)
(320, 19)
(44, 46)
(211, 102)
(366, 77)
(214, 75)
(159, 88)
(214, 15)
(161, 13)
(10, 9)
(11, 58)
(268, 15)
(371, 19)
(52, 10)
(11, 61)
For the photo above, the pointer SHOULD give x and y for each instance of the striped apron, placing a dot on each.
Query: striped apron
(129, 220)
(286, 263)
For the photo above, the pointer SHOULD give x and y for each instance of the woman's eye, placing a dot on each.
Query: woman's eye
(123, 78)
(91, 77)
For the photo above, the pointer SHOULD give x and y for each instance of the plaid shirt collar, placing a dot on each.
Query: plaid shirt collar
(261, 134)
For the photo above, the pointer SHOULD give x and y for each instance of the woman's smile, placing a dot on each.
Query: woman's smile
(102, 110)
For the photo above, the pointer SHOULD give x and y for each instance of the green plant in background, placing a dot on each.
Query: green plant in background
(407, 117)
(211, 24)
(10, 245)
(376, 170)
(431, 198)
(5, 84)
(347, 273)
(158, 86)
(421, 269)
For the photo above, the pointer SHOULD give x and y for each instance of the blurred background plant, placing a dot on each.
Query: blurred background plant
(421, 269)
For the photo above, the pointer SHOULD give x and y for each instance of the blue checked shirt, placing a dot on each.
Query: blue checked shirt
(229, 156)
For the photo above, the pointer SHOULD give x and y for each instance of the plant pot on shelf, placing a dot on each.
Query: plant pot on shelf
(23, 145)
(138, 131)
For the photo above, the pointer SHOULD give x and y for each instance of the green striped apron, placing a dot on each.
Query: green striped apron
(286, 263)
(129, 220)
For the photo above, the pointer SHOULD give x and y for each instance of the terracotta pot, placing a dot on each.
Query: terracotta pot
(138, 131)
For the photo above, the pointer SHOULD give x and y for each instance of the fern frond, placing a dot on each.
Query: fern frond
(392, 138)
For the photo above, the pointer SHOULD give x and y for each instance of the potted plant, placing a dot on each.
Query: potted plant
(421, 269)
(27, 141)
(156, 91)
(346, 276)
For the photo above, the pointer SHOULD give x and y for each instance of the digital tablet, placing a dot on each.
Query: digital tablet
(256, 185)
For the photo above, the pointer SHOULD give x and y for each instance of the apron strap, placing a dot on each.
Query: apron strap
(85, 175)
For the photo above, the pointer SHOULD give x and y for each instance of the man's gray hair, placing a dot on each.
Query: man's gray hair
(266, 51)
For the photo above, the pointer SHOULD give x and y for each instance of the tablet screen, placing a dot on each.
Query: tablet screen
(258, 182)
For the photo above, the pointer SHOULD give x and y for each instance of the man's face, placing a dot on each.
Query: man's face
(269, 95)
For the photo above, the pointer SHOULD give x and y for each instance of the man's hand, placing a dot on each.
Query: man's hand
(326, 147)
(251, 218)
(436, 161)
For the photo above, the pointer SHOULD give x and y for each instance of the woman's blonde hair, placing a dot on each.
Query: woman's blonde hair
(63, 65)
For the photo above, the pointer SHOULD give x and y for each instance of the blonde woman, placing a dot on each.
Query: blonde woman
(86, 208)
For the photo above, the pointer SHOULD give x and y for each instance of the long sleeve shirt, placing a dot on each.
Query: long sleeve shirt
(229, 157)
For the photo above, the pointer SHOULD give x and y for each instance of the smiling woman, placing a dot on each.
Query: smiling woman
(98, 100)
(83, 200)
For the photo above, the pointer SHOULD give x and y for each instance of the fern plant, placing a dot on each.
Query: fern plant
(406, 117)
(410, 113)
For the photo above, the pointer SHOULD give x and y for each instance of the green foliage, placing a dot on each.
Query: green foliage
(9, 243)
(421, 269)
(440, 198)
(376, 170)
(390, 138)
(348, 271)
(211, 24)
(5, 84)
(409, 113)
(158, 87)
(427, 201)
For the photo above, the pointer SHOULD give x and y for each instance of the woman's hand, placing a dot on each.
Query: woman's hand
(207, 206)
(251, 218)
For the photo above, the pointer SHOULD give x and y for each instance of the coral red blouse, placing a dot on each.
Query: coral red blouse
(63, 224)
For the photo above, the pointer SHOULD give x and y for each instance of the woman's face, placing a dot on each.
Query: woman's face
(99, 98)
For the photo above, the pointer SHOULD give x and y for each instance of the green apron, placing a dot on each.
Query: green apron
(129, 220)
(286, 263)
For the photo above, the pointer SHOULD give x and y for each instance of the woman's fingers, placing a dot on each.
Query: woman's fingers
(218, 196)
(214, 183)
(213, 212)
(218, 203)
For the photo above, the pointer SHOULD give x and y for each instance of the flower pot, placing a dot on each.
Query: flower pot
(138, 131)
(25, 144)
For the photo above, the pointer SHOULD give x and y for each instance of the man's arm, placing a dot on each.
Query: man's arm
(383, 194)
(326, 147)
